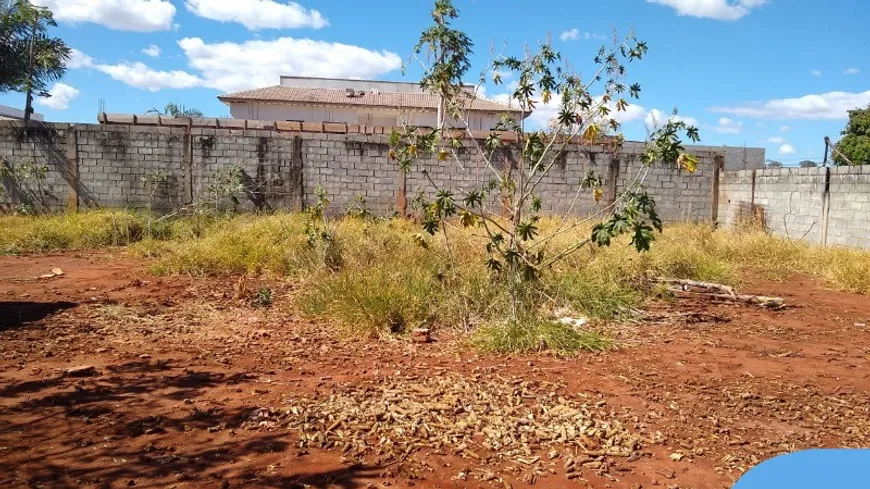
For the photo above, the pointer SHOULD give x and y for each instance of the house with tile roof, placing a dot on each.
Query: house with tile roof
(374, 103)
(11, 113)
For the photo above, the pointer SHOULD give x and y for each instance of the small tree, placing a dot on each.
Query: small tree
(28, 178)
(505, 204)
(229, 183)
(29, 58)
(152, 183)
(176, 110)
(855, 143)
(808, 164)
(773, 164)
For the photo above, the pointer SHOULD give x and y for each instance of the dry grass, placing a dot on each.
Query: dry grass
(99, 229)
(388, 284)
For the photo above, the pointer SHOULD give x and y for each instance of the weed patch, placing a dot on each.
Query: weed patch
(383, 282)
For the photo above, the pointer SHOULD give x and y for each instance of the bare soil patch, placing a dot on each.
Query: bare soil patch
(191, 385)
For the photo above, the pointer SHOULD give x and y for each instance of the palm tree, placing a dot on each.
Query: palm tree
(29, 58)
(175, 110)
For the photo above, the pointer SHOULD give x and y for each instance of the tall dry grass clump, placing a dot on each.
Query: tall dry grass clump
(386, 283)
(72, 231)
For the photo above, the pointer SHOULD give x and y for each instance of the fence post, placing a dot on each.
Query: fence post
(187, 164)
(72, 166)
(826, 207)
(718, 166)
(612, 179)
(401, 192)
(752, 193)
(297, 165)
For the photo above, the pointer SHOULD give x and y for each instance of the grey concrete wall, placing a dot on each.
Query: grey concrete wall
(43, 145)
(112, 160)
(826, 206)
(104, 164)
(849, 207)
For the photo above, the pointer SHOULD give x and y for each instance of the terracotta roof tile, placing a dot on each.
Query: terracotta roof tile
(324, 96)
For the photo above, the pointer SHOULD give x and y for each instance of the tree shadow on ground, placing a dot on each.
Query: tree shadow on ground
(17, 314)
(147, 424)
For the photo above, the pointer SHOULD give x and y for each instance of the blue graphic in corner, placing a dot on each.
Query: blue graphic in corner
(811, 469)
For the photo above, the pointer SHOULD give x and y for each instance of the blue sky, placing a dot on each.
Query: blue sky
(774, 73)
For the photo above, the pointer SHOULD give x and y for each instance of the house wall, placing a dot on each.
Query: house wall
(350, 115)
(13, 113)
(364, 85)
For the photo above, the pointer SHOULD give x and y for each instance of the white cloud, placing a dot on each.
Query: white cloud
(787, 149)
(152, 51)
(61, 95)
(230, 66)
(852, 71)
(544, 114)
(784, 128)
(575, 35)
(78, 59)
(572, 35)
(122, 15)
(776, 140)
(258, 14)
(728, 126)
(655, 117)
(712, 9)
(141, 76)
(825, 106)
(816, 72)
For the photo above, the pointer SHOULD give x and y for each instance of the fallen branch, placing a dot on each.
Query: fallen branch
(689, 285)
(720, 292)
(758, 300)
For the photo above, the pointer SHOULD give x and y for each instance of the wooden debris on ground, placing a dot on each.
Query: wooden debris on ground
(421, 335)
(721, 292)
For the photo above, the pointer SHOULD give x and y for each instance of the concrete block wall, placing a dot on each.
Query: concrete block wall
(736, 194)
(849, 206)
(269, 160)
(791, 200)
(104, 164)
(43, 144)
(825, 206)
(113, 160)
(347, 165)
(679, 195)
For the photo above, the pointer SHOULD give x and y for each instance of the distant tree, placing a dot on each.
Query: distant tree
(176, 110)
(808, 164)
(774, 164)
(29, 58)
(855, 143)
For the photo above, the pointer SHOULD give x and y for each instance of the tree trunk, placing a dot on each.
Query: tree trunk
(28, 105)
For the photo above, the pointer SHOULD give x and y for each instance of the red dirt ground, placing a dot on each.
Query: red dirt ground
(182, 363)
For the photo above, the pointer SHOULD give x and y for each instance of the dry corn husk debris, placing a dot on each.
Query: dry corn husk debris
(483, 419)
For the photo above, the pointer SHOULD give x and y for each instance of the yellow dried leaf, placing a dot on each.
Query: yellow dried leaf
(591, 133)
(688, 162)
